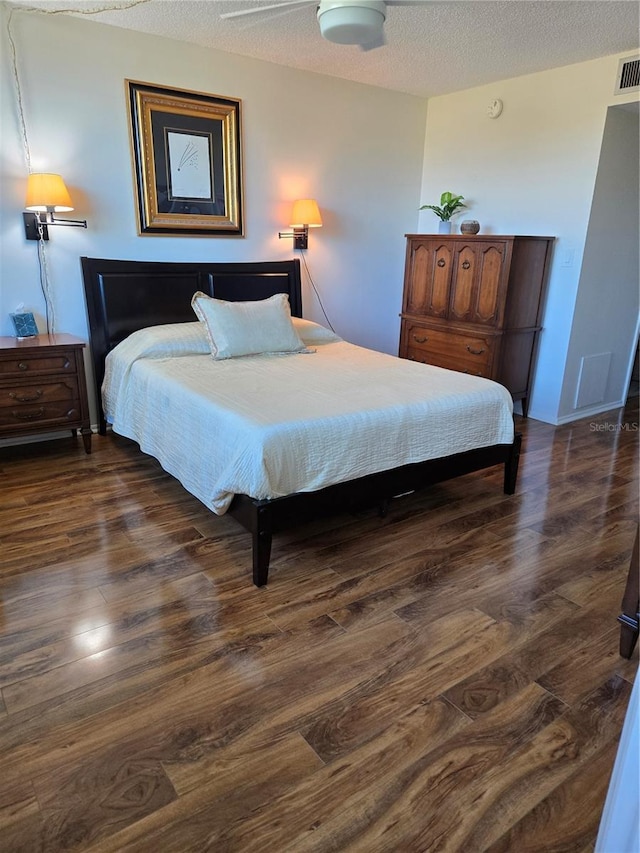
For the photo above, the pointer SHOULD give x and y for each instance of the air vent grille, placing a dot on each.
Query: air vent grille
(628, 75)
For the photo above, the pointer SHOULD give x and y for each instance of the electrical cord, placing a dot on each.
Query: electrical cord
(315, 289)
(45, 284)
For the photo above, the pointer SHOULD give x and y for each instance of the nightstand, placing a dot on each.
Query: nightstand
(43, 386)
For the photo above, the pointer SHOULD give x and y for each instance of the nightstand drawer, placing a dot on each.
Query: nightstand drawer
(56, 414)
(36, 393)
(21, 364)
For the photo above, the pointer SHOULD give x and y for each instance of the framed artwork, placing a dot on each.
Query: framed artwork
(187, 161)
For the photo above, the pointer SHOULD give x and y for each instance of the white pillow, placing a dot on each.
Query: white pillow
(313, 333)
(247, 328)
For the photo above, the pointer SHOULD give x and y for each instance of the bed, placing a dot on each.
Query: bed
(291, 436)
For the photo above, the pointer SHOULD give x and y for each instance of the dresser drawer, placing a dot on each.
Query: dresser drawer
(468, 353)
(14, 395)
(55, 414)
(23, 364)
(414, 354)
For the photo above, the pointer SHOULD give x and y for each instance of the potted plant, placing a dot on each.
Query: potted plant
(449, 205)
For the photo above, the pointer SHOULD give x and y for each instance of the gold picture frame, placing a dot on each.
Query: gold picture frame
(187, 161)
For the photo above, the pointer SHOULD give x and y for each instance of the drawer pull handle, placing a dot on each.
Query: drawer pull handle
(420, 340)
(465, 265)
(23, 366)
(475, 351)
(29, 416)
(441, 262)
(36, 396)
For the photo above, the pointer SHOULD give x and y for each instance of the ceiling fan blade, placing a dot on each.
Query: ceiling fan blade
(270, 8)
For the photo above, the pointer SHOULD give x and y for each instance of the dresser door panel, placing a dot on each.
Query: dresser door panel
(474, 296)
(440, 277)
(486, 310)
(429, 286)
(463, 286)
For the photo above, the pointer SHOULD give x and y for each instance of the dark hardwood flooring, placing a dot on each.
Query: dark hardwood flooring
(446, 678)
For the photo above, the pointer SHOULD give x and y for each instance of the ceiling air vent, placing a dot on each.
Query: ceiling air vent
(628, 79)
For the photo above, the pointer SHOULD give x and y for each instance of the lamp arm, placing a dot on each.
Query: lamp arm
(300, 237)
(82, 223)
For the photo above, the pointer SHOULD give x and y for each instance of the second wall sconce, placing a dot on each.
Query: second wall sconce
(305, 215)
(46, 195)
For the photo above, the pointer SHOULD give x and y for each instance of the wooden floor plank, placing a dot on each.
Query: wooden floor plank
(445, 678)
(568, 818)
(406, 777)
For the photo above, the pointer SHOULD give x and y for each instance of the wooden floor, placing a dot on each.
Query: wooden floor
(447, 678)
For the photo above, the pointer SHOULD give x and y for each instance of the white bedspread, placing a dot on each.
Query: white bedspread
(271, 425)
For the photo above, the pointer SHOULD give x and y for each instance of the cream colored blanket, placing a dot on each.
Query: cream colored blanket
(271, 425)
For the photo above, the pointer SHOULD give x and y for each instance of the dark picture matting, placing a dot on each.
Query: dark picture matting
(186, 150)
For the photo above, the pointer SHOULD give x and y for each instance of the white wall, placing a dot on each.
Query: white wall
(361, 151)
(619, 830)
(606, 313)
(355, 148)
(531, 171)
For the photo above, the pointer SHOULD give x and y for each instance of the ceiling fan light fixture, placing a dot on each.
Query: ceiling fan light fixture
(352, 22)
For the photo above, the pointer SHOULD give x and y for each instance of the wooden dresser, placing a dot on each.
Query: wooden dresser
(474, 304)
(43, 386)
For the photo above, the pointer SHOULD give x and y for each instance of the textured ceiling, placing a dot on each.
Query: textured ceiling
(432, 47)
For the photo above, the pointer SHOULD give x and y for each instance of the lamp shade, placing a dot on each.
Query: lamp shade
(47, 192)
(305, 212)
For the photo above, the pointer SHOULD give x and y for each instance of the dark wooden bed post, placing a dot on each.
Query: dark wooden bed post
(511, 465)
(262, 537)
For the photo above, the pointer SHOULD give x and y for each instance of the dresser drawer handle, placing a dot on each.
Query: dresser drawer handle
(23, 366)
(441, 262)
(475, 351)
(465, 265)
(36, 396)
(420, 340)
(29, 416)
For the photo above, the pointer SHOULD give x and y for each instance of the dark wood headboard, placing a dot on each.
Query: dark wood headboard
(124, 296)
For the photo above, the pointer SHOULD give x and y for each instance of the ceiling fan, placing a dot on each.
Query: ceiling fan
(342, 21)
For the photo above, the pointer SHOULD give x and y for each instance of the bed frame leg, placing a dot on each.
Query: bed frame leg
(511, 465)
(262, 537)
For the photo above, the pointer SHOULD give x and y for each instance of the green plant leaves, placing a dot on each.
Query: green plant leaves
(449, 204)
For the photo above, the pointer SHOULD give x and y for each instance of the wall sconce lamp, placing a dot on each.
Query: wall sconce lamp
(305, 215)
(46, 195)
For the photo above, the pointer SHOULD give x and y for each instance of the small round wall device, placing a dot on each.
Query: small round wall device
(495, 108)
(352, 21)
